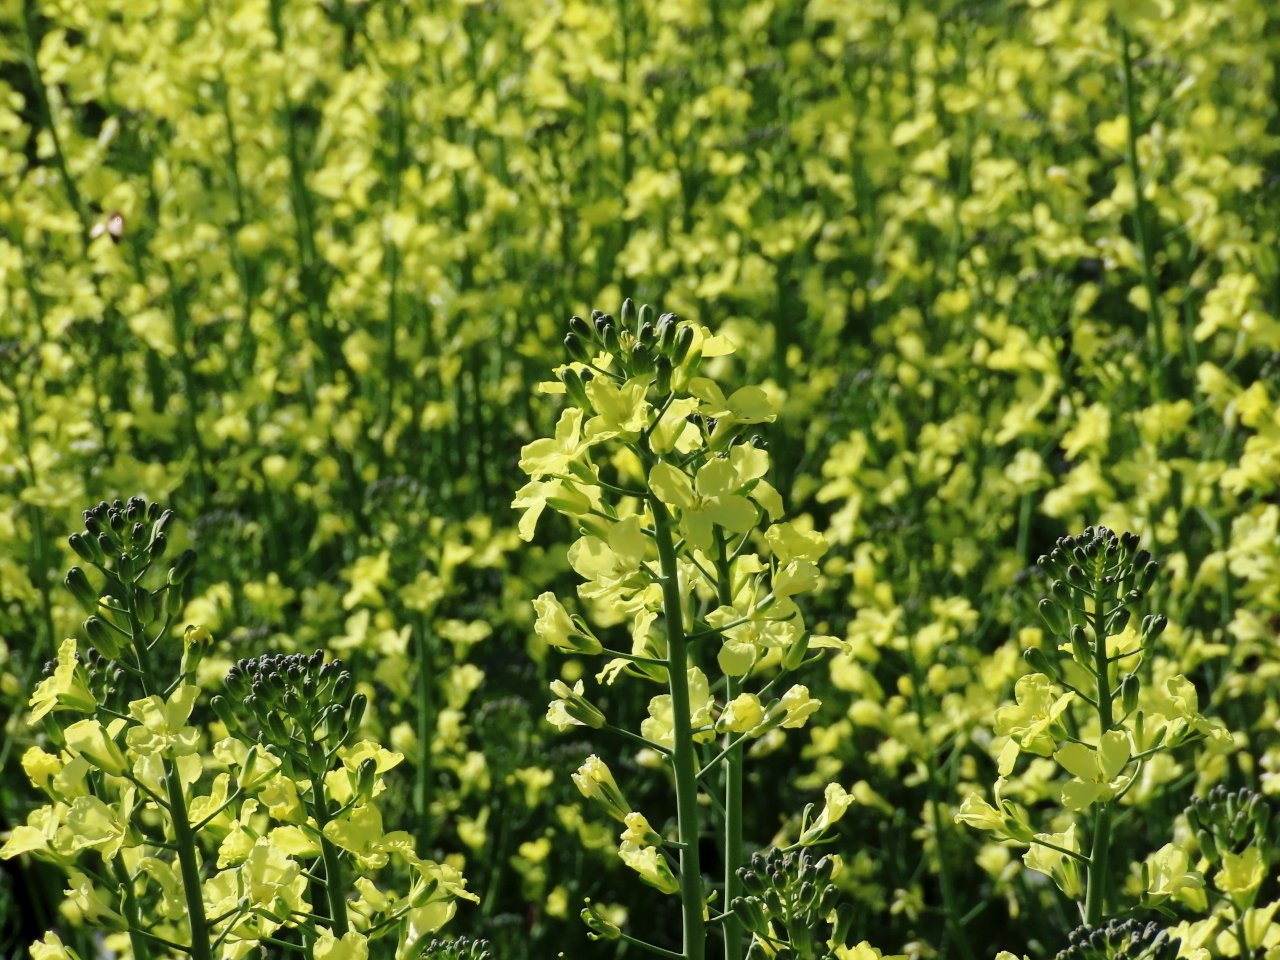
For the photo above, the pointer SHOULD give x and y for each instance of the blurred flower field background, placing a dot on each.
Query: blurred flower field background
(296, 268)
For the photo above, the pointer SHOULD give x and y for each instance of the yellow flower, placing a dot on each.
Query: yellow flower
(67, 688)
(595, 782)
(715, 496)
(650, 864)
(162, 724)
(1241, 874)
(571, 708)
(1029, 723)
(836, 801)
(742, 714)
(1095, 773)
(559, 630)
(554, 455)
(52, 948)
(1061, 868)
(97, 745)
(352, 946)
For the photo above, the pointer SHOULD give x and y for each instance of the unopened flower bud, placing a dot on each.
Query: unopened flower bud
(103, 638)
(595, 782)
(601, 927)
(78, 583)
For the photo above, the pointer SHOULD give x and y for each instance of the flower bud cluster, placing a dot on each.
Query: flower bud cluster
(124, 540)
(458, 948)
(1228, 821)
(1093, 704)
(292, 699)
(1120, 940)
(789, 898)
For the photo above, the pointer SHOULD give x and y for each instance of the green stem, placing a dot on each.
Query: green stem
(183, 836)
(1242, 940)
(335, 888)
(734, 934)
(652, 948)
(1099, 851)
(185, 840)
(141, 950)
(687, 814)
(733, 931)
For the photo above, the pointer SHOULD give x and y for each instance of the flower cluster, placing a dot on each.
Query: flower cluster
(212, 852)
(682, 549)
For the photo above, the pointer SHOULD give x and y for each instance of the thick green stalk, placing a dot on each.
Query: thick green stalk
(334, 881)
(733, 765)
(1099, 851)
(141, 949)
(686, 774)
(185, 841)
(183, 836)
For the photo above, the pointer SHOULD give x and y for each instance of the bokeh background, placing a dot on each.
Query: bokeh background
(296, 268)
